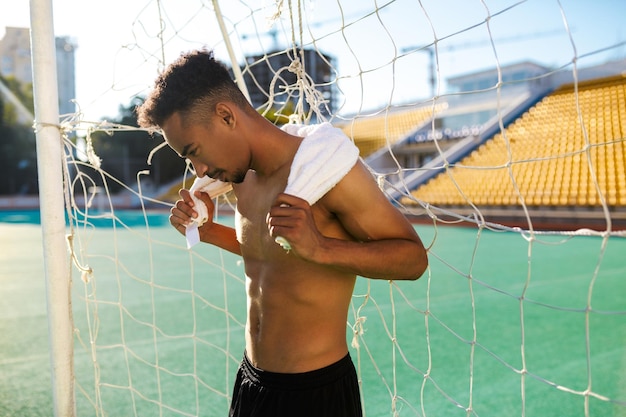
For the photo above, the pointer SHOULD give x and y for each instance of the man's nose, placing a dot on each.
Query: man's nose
(199, 168)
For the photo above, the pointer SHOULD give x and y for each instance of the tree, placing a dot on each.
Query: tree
(18, 157)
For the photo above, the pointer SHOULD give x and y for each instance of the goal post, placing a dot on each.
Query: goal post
(50, 165)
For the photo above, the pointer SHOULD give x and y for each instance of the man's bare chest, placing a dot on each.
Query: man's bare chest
(255, 198)
(254, 201)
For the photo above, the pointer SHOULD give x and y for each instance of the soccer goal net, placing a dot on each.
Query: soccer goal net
(492, 125)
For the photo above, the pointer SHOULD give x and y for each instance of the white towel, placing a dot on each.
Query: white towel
(324, 157)
(214, 188)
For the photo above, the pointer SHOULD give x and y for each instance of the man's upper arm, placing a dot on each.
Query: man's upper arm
(364, 210)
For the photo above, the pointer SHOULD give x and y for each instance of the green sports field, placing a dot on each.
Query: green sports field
(502, 324)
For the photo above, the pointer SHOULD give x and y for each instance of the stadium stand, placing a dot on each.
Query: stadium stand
(567, 151)
(373, 132)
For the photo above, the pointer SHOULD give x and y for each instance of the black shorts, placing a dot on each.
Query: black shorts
(330, 391)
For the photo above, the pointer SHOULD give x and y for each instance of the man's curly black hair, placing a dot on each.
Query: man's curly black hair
(191, 85)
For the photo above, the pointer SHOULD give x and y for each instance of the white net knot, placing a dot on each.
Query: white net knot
(358, 331)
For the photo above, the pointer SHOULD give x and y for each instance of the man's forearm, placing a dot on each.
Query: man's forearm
(223, 237)
(393, 259)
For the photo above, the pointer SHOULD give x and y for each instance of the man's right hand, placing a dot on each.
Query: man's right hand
(183, 213)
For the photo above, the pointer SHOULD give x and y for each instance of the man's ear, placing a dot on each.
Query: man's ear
(225, 112)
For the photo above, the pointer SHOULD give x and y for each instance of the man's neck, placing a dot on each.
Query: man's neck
(273, 150)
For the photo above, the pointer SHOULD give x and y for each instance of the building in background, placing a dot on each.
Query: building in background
(66, 77)
(15, 61)
(269, 75)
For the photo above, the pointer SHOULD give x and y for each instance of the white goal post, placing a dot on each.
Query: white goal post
(50, 157)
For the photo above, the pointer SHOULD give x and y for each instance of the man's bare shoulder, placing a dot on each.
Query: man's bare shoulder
(363, 208)
(356, 190)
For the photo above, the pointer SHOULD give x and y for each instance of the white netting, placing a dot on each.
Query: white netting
(512, 318)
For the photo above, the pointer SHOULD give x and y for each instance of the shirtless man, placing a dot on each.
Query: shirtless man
(296, 360)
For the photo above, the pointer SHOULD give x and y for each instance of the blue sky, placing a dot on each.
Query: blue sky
(119, 54)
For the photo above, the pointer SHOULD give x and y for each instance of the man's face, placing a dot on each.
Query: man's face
(210, 147)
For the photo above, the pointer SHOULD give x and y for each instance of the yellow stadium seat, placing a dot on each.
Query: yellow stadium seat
(551, 129)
